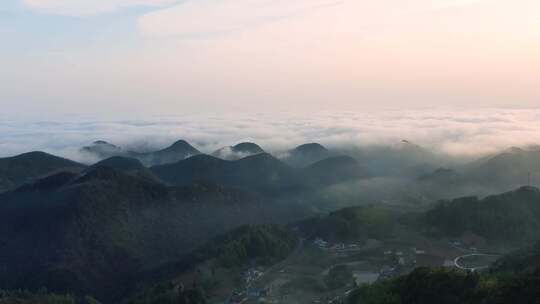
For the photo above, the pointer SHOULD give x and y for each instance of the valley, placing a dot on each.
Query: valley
(250, 228)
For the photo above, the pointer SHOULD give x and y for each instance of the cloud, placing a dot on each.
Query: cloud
(89, 7)
(448, 4)
(203, 17)
(470, 133)
(229, 154)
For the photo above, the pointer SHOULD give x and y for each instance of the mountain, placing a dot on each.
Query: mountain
(441, 176)
(315, 149)
(127, 165)
(306, 154)
(509, 168)
(101, 149)
(238, 151)
(247, 147)
(334, 170)
(48, 183)
(26, 167)
(404, 159)
(260, 172)
(96, 232)
(178, 151)
(512, 217)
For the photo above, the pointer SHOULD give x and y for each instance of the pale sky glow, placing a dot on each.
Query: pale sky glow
(168, 56)
(78, 8)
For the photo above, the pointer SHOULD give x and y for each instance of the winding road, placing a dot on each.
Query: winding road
(456, 261)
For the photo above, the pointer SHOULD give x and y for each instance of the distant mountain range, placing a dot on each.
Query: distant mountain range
(300, 156)
(306, 154)
(261, 172)
(245, 166)
(177, 151)
(509, 169)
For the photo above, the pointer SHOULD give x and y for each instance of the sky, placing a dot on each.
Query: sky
(174, 57)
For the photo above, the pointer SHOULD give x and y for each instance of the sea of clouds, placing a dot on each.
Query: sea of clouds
(460, 133)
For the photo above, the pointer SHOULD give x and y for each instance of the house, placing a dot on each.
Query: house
(448, 263)
(251, 275)
(427, 260)
(418, 251)
(387, 272)
(238, 298)
(320, 243)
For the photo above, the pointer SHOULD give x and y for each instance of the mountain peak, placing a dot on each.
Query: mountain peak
(528, 189)
(238, 151)
(514, 150)
(102, 149)
(182, 146)
(180, 143)
(101, 142)
(247, 147)
(407, 144)
(311, 148)
(32, 155)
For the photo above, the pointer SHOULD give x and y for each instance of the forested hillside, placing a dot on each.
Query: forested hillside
(510, 217)
(513, 279)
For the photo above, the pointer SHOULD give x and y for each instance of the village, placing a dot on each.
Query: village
(300, 280)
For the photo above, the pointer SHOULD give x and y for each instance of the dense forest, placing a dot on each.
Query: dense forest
(510, 217)
(42, 297)
(351, 224)
(248, 244)
(512, 279)
(264, 243)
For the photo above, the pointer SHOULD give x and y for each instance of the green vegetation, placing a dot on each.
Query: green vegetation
(423, 285)
(352, 224)
(171, 294)
(509, 217)
(513, 279)
(338, 276)
(525, 260)
(41, 297)
(23, 168)
(263, 244)
(303, 283)
(105, 231)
